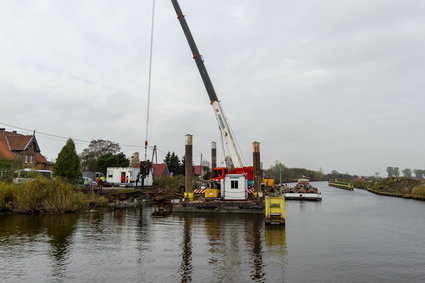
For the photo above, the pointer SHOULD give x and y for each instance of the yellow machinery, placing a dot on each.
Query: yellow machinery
(211, 193)
(274, 208)
(268, 182)
(188, 196)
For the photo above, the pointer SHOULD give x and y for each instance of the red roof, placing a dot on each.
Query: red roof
(4, 149)
(11, 142)
(197, 169)
(18, 142)
(159, 169)
(40, 158)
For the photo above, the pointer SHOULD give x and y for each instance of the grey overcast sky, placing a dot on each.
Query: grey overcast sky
(320, 84)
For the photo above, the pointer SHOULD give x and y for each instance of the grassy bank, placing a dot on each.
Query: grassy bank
(45, 196)
(174, 183)
(397, 187)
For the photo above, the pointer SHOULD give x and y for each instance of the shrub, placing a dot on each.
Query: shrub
(44, 196)
(6, 196)
(174, 182)
(419, 191)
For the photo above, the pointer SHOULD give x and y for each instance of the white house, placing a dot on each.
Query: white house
(126, 176)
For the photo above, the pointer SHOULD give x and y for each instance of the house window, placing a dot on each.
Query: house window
(233, 184)
(30, 158)
(26, 158)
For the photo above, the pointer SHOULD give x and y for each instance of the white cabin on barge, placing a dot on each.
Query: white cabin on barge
(235, 187)
(126, 176)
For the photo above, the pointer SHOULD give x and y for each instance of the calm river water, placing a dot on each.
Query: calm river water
(348, 237)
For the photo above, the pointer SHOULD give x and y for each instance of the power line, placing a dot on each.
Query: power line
(58, 137)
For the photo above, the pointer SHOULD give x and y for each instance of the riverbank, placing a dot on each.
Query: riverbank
(46, 196)
(342, 185)
(394, 187)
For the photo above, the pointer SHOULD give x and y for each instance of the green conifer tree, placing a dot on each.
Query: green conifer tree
(67, 164)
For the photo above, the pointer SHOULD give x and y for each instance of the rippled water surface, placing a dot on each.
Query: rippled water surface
(348, 237)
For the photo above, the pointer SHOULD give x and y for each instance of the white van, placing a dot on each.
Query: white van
(28, 174)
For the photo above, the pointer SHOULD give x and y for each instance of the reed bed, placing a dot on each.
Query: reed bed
(45, 196)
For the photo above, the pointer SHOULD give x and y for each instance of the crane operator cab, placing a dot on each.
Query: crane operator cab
(217, 175)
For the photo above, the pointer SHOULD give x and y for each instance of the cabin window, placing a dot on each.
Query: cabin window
(233, 184)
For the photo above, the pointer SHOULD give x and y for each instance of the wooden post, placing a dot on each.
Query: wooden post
(213, 155)
(257, 167)
(188, 168)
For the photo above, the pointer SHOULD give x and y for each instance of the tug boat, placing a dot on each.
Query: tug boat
(302, 191)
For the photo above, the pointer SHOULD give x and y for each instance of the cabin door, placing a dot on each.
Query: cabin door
(122, 177)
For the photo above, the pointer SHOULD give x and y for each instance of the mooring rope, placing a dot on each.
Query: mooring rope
(149, 79)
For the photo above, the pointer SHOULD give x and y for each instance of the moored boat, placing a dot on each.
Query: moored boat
(302, 191)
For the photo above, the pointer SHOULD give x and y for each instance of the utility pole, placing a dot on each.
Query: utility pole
(213, 155)
(202, 167)
(188, 168)
(257, 168)
(280, 173)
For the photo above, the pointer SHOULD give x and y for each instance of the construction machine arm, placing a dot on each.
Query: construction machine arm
(222, 121)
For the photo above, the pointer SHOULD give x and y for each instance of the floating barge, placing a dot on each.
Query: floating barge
(273, 208)
(302, 191)
(220, 206)
(341, 185)
(303, 196)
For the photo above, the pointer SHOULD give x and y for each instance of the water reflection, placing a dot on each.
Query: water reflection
(16, 229)
(234, 243)
(135, 245)
(60, 228)
(255, 243)
(275, 238)
(186, 264)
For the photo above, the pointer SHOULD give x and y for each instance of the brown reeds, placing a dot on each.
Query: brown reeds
(419, 191)
(44, 196)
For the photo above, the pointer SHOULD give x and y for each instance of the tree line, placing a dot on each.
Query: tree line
(101, 154)
(395, 172)
(279, 171)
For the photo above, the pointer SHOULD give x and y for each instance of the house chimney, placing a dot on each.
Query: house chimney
(14, 132)
(2, 129)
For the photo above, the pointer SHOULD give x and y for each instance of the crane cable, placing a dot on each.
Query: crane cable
(149, 79)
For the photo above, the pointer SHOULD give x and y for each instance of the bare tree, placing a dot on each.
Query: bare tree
(96, 149)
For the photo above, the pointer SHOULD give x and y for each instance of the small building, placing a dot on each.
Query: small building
(125, 176)
(158, 170)
(197, 170)
(24, 148)
(235, 187)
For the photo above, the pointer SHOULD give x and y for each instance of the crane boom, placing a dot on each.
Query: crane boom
(222, 121)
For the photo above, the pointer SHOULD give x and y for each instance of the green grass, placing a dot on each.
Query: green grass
(45, 196)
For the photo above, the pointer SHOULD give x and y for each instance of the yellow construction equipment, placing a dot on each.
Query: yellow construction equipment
(268, 182)
(188, 196)
(211, 193)
(274, 208)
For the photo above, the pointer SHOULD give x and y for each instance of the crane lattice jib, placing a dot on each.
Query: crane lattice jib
(195, 52)
(222, 121)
